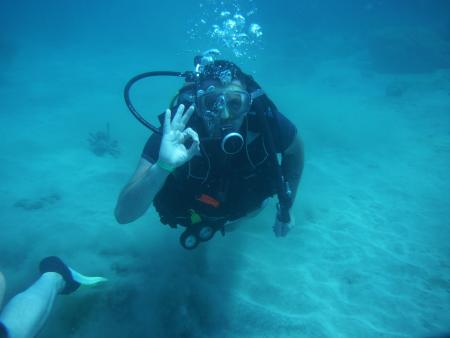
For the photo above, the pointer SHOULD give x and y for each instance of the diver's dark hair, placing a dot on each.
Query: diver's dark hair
(215, 71)
(211, 73)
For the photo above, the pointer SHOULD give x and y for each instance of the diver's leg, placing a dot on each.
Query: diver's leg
(26, 313)
(233, 225)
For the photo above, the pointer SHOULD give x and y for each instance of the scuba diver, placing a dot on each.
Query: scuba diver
(215, 159)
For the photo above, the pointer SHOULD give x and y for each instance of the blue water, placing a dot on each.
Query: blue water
(367, 83)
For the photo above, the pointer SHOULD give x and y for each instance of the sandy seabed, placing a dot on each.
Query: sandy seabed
(369, 256)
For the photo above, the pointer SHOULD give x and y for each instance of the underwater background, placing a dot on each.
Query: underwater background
(367, 84)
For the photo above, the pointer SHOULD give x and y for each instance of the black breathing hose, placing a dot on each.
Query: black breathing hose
(132, 81)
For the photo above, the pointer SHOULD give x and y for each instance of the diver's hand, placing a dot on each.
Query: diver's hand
(172, 151)
(280, 228)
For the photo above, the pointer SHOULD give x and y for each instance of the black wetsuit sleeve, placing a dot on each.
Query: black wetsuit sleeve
(151, 148)
(3, 331)
(283, 131)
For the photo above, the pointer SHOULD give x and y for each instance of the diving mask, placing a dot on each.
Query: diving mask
(228, 105)
(222, 113)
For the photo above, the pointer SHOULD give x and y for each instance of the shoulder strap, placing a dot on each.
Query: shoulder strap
(264, 107)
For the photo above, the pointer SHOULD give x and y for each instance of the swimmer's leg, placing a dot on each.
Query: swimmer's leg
(26, 313)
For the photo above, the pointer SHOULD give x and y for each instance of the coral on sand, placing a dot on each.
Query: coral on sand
(396, 89)
(37, 203)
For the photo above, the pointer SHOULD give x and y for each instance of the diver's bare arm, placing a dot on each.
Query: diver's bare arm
(292, 164)
(148, 179)
(137, 196)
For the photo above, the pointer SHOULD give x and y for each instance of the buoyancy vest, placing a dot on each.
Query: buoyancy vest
(222, 187)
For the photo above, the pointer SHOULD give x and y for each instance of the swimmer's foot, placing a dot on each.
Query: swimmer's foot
(72, 278)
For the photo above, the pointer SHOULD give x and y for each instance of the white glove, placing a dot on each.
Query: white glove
(172, 152)
(281, 229)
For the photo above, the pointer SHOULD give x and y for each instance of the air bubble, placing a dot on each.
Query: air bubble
(227, 25)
